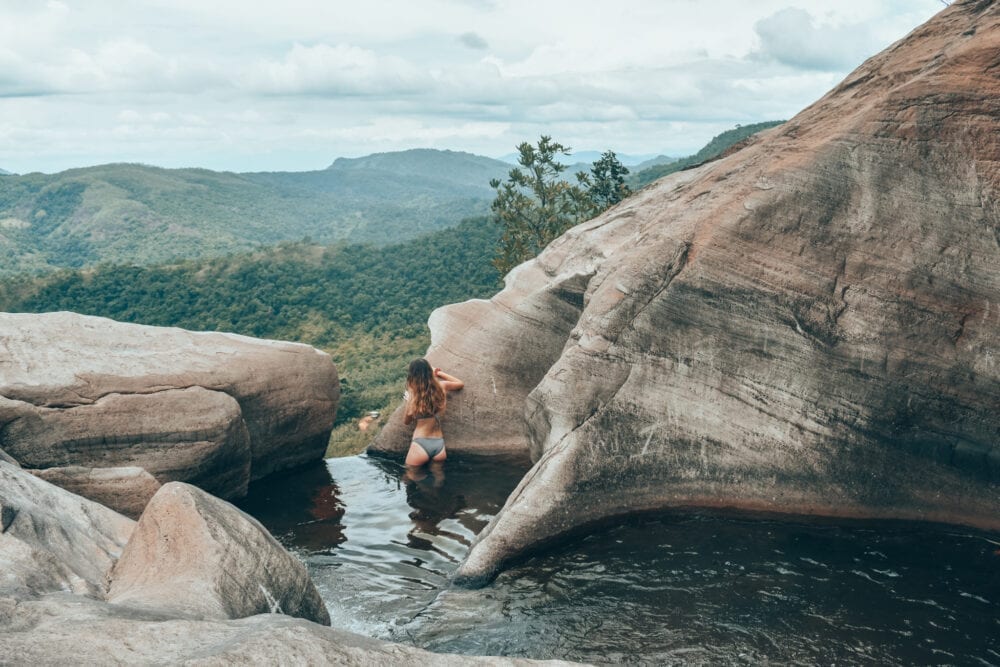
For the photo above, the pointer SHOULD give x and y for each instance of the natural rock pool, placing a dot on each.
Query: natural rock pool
(681, 587)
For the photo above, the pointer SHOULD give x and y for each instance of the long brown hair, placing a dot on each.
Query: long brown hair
(427, 396)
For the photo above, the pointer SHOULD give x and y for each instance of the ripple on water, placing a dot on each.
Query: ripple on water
(667, 589)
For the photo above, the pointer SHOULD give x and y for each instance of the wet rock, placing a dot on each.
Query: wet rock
(125, 490)
(53, 540)
(810, 324)
(216, 410)
(62, 629)
(196, 556)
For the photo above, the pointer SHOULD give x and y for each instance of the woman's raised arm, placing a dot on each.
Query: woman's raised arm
(448, 382)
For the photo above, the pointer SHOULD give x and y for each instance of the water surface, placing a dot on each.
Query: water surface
(671, 588)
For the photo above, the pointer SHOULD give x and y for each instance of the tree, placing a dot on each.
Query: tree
(607, 182)
(535, 205)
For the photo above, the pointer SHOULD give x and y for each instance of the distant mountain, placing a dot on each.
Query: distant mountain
(653, 162)
(641, 177)
(4, 172)
(129, 213)
(586, 158)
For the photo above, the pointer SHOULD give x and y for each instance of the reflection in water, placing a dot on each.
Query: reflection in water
(381, 543)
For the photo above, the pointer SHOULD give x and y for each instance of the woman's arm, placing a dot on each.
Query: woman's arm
(407, 409)
(448, 382)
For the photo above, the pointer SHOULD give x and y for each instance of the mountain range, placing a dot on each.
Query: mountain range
(132, 213)
(140, 214)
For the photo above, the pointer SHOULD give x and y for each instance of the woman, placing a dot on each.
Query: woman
(426, 395)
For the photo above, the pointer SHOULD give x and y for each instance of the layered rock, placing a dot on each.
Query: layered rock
(810, 324)
(216, 410)
(193, 555)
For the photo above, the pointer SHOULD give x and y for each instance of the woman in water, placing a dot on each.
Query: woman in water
(426, 395)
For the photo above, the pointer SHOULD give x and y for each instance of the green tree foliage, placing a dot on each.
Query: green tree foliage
(535, 205)
(366, 305)
(606, 183)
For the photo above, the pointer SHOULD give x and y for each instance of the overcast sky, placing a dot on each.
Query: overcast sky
(247, 85)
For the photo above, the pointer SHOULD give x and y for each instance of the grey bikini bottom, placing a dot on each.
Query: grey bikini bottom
(433, 446)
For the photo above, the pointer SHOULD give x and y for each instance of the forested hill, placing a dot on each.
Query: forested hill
(714, 148)
(128, 213)
(366, 305)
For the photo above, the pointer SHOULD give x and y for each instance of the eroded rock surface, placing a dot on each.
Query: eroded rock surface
(196, 556)
(810, 324)
(216, 410)
(53, 540)
(62, 629)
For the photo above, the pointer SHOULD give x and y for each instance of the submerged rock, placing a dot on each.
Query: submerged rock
(810, 324)
(217, 410)
(195, 556)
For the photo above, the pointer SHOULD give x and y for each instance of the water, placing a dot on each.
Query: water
(674, 588)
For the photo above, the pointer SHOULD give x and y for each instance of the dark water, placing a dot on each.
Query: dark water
(692, 588)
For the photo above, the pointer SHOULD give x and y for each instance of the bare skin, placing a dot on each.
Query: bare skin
(428, 427)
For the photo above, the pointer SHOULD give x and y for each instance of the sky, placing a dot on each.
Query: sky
(267, 86)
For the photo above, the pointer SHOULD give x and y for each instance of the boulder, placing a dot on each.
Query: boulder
(189, 564)
(52, 540)
(125, 490)
(196, 556)
(810, 324)
(213, 409)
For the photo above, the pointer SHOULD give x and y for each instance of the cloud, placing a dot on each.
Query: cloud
(791, 37)
(473, 41)
(341, 69)
(244, 86)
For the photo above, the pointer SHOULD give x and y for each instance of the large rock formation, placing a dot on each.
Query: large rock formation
(187, 579)
(197, 556)
(810, 324)
(216, 410)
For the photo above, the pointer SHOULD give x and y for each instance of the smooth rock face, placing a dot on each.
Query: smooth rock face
(125, 490)
(810, 324)
(216, 410)
(196, 556)
(63, 629)
(52, 540)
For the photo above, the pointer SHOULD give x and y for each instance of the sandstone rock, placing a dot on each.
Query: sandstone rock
(213, 409)
(62, 629)
(53, 540)
(810, 324)
(125, 490)
(196, 556)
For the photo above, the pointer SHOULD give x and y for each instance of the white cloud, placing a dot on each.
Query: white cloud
(791, 36)
(340, 69)
(292, 85)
